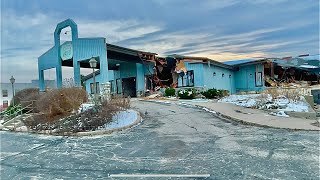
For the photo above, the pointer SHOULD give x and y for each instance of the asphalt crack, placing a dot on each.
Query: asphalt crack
(192, 127)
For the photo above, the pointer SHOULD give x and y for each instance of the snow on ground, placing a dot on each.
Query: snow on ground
(85, 106)
(241, 100)
(121, 119)
(266, 101)
(280, 114)
(22, 128)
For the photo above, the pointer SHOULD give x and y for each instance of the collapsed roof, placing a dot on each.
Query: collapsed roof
(307, 63)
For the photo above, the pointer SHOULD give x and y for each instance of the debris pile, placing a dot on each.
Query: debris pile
(266, 101)
(302, 71)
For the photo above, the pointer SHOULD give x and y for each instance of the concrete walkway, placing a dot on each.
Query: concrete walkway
(257, 117)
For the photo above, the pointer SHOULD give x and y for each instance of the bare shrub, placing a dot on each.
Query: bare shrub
(292, 94)
(87, 120)
(262, 100)
(273, 92)
(26, 96)
(122, 102)
(117, 103)
(68, 83)
(61, 102)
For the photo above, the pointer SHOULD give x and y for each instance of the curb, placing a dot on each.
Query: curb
(89, 133)
(229, 118)
(232, 119)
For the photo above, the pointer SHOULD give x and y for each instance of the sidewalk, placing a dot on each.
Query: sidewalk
(257, 117)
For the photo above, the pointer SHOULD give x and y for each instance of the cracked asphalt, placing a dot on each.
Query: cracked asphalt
(172, 139)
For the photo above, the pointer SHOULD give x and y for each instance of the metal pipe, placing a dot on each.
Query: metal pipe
(94, 86)
(12, 94)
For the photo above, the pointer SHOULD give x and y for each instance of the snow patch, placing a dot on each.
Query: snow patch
(22, 129)
(85, 106)
(241, 100)
(265, 101)
(121, 119)
(208, 110)
(279, 114)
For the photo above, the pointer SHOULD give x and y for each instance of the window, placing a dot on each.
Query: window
(119, 86)
(187, 80)
(148, 82)
(4, 93)
(5, 104)
(111, 86)
(259, 79)
(97, 88)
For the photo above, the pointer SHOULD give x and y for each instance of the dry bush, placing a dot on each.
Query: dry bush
(262, 100)
(117, 103)
(68, 83)
(93, 118)
(273, 92)
(88, 120)
(25, 96)
(61, 102)
(122, 102)
(292, 94)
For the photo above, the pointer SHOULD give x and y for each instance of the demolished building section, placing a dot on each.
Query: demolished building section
(293, 72)
(300, 74)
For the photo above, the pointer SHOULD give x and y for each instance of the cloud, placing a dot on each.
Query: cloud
(222, 30)
(25, 38)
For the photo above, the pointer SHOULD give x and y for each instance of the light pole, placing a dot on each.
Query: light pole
(12, 80)
(93, 65)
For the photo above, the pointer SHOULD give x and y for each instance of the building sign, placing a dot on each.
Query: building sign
(66, 51)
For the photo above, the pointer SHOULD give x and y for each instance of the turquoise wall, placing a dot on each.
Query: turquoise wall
(140, 77)
(218, 81)
(203, 76)
(83, 49)
(126, 70)
(198, 73)
(98, 79)
(242, 80)
(245, 78)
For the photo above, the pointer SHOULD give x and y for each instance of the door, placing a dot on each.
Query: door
(129, 87)
(250, 80)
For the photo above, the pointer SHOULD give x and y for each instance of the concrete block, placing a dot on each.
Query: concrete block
(310, 100)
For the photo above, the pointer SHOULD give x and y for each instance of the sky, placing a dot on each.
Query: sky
(217, 29)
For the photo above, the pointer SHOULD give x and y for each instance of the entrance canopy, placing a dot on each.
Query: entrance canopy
(79, 51)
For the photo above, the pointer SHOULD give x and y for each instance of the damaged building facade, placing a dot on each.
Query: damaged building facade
(204, 73)
(136, 73)
(300, 73)
(184, 72)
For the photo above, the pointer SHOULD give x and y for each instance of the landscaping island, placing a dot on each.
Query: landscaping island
(68, 111)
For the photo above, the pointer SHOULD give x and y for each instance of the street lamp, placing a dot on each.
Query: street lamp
(93, 65)
(12, 80)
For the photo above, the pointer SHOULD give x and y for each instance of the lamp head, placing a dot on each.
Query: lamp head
(93, 63)
(12, 80)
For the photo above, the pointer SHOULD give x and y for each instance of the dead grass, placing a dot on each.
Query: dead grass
(262, 100)
(61, 102)
(88, 120)
(26, 96)
(292, 94)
